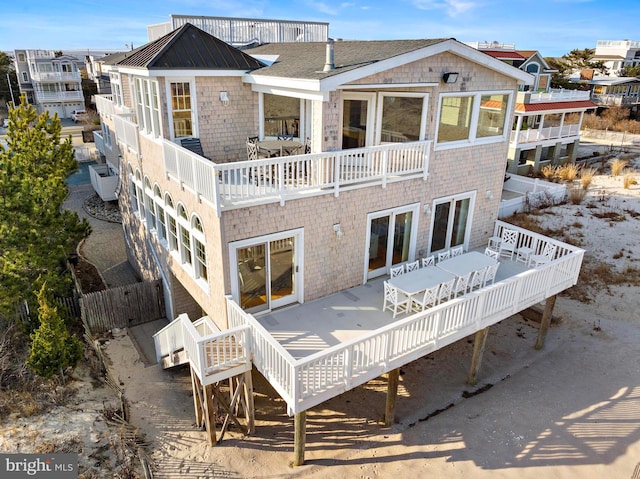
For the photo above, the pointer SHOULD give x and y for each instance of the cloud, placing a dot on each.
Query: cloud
(327, 9)
(452, 7)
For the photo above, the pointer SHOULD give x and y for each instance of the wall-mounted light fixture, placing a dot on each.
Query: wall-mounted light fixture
(337, 229)
(489, 194)
(427, 209)
(224, 98)
(450, 77)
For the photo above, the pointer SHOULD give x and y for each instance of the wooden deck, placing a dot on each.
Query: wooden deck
(312, 327)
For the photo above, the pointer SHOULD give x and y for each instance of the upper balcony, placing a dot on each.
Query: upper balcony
(56, 77)
(58, 96)
(553, 95)
(540, 135)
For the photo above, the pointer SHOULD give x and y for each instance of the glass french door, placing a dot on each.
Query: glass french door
(267, 274)
(451, 222)
(391, 239)
(357, 120)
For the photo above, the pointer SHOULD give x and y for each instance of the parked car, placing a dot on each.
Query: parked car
(78, 115)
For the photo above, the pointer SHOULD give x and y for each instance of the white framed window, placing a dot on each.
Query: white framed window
(465, 119)
(184, 236)
(199, 248)
(182, 108)
(172, 227)
(25, 77)
(21, 57)
(139, 195)
(401, 116)
(147, 106)
(116, 88)
(133, 191)
(149, 205)
(357, 119)
(160, 214)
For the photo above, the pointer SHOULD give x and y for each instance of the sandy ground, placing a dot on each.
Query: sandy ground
(571, 410)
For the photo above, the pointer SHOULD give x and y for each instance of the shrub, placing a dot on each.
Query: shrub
(628, 180)
(617, 166)
(548, 171)
(53, 349)
(568, 172)
(586, 177)
(576, 195)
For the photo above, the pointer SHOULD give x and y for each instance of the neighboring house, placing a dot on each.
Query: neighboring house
(98, 71)
(617, 54)
(402, 147)
(50, 82)
(620, 91)
(547, 122)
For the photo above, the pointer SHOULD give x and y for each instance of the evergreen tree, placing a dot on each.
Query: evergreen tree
(53, 349)
(35, 234)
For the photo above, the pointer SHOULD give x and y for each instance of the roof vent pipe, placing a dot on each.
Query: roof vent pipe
(329, 65)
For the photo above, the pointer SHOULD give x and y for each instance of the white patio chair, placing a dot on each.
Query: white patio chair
(457, 251)
(395, 300)
(461, 285)
(547, 255)
(445, 291)
(495, 254)
(508, 244)
(428, 300)
(490, 274)
(428, 261)
(413, 266)
(442, 255)
(396, 271)
(477, 279)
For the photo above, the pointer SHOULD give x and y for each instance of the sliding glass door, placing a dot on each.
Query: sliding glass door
(451, 222)
(391, 239)
(267, 273)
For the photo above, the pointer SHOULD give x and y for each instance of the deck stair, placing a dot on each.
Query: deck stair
(214, 355)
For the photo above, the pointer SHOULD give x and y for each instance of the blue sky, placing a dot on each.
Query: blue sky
(553, 27)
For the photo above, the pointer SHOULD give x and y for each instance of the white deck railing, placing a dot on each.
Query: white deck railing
(126, 133)
(105, 105)
(58, 95)
(611, 99)
(269, 180)
(542, 134)
(306, 382)
(99, 141)
(214, 356)
(56, 76)
(557, 94)
(533, 191)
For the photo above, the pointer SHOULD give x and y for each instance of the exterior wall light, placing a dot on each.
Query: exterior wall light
(337, 229)
(450, 77)
(224, 98)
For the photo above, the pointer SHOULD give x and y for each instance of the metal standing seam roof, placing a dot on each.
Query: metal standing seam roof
(187, 47)
(504, 54)
(306, 60)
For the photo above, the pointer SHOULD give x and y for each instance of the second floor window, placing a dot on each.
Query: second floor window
(181, 109)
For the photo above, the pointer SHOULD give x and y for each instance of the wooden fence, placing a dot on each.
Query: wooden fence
(123, 307)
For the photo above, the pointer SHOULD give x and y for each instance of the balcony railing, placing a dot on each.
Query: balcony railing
(555, 94)
(126, 133)
(242, 183)
(616, 100)
(99, 141)
(105, 105)
(542, 134)
(104, 182)
(57, 96)
(56, 76)
(306, 382)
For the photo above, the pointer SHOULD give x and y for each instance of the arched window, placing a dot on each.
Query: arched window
(172, 228)
(149, 206)
(184, 236)
(139, 195)
(199, 249)
(161, 220)
(533, 68)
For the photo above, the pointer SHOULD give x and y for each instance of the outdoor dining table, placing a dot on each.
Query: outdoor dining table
(279, 147)
(466, 263)
(421, 279)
